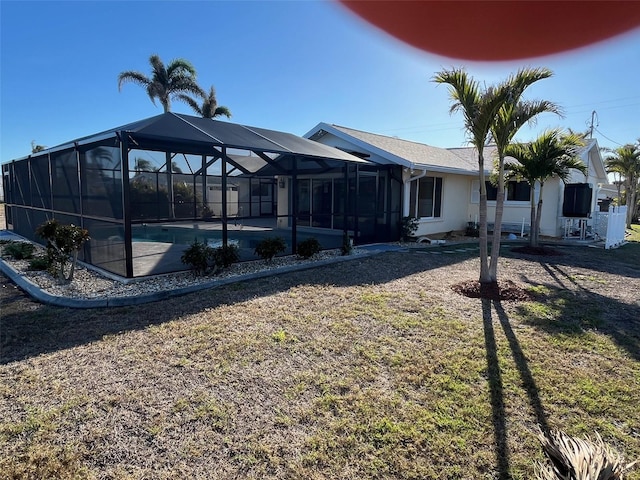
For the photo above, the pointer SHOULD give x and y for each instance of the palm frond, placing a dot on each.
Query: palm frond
(182, 67)
(133, 77)
(195, 106)
(574, 458)
(222, 111)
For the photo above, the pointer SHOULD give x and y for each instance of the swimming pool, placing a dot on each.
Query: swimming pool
(186, 236)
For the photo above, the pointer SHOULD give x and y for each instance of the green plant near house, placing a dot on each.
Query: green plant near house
(270, 247)
(408, 227)
(309, 247)
(347, 246)
(19, 250)
(63, 245)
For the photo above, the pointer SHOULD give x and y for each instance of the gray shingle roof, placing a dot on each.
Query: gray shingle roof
(418, 154)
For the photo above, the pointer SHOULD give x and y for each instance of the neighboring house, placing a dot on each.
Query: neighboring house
(440, 186)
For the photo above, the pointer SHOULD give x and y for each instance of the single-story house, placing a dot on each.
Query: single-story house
(440, 186)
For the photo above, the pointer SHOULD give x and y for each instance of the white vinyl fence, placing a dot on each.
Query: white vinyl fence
(611, 226)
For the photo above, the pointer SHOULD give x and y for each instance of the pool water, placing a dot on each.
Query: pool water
(186, 236)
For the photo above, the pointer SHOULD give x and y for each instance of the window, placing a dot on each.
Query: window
(516, 191)
(426, 198)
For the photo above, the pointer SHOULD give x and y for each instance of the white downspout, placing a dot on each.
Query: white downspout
(407, 191)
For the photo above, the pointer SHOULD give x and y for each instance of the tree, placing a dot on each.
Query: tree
(554, 153)
(178, 77)
(142, 165)
(625, 160)
(209, 107)
(511, 116)
(493, 112)
(479, 108)
(63, 245)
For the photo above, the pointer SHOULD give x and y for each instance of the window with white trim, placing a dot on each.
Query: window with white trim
(425, 200)
(515, 191)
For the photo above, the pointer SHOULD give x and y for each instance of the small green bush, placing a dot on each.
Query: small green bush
(41, 262)
(270, 247)
(225, 256)
(198, 256)
(308, 248)
(204, 259)
(347, 246)
(408, 227)
(19, 250)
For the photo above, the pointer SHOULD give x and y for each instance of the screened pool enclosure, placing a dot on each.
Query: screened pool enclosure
(145, 191)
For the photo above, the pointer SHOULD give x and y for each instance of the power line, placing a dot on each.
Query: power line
(613, 141)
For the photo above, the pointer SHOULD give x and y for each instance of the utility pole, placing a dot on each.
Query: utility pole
(594, 119)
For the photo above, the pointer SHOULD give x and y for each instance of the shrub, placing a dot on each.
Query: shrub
(63, 245)
(198, 256)
(225, 256)
(19, 250)
(408, 227)
(41, 262)
(204, 259)
(347, 246)
(270, 247)
(308, 248)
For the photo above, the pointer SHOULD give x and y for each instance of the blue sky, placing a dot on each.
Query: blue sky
(279, 65)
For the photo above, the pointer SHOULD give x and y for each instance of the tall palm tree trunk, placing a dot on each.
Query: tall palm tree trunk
(497, 225)
(497, 234)
(538, 216)
(532, 220)
(631, 204)
(482, 228)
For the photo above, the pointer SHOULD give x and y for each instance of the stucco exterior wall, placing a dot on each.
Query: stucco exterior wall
(454, 206)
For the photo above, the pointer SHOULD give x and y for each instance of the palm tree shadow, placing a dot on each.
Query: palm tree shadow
(584, 309)
(496, 383)
(496, 392)
(528, 382)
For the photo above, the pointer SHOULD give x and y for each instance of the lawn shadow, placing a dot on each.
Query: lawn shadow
(578, 309)
(496, 384)
(28, 328)
(496, 391)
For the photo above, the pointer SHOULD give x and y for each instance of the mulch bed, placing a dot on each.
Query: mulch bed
(507, 291)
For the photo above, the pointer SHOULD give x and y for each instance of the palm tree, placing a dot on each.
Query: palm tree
(499, 113)
(625, 160)
(554, 153)
(142, 165)
(178, 77)
(166, 81)
(479, 108)
(209, 107)
(512, 115)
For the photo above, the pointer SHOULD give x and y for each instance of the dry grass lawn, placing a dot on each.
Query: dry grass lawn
(372, 368)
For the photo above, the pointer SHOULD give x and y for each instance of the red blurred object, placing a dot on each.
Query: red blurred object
(499, 30)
